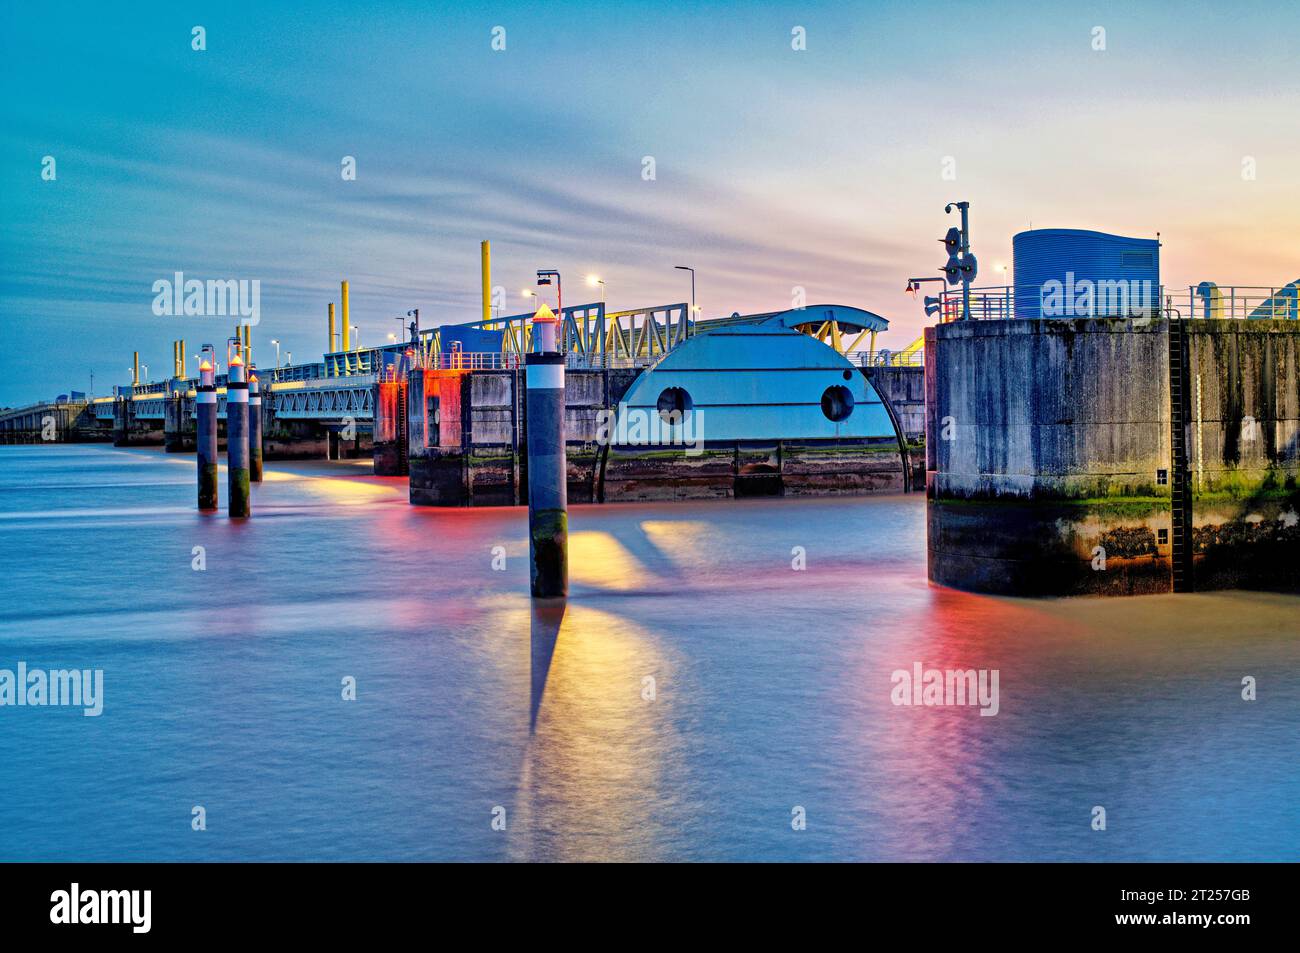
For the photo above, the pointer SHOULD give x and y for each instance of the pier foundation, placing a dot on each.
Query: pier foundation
(1057, 452)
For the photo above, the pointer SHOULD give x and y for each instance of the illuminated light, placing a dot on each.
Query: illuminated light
(593, 280)
(597, 559)
(205, 366)
(236, 361)
(252, 377)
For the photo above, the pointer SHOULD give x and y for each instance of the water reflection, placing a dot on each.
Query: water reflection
(592, 780)
(694, 687)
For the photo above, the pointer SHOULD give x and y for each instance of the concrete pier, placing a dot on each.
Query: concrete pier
(1052, 455)
(129, 430)
(548, 520)
(178, 421)
(390, 438)
(62, 421)
(237, 438)
(205, 409)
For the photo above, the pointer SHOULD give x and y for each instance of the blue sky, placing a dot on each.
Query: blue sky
(775, 168)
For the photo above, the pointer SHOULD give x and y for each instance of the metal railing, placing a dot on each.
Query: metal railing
(1251, 303)
(1122, 300)
(884, 357)
(457, 360)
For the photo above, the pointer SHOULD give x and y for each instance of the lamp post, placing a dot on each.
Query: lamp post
(277, 353)
(594, 281)
(692, 271)
(356, 337)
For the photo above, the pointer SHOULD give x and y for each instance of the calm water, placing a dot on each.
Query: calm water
(772, 686)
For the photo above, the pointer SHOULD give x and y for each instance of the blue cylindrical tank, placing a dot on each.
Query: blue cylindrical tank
(1072, 272)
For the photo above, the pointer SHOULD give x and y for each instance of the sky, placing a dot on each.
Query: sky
(775, 168)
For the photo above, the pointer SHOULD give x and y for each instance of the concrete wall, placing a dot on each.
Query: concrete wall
(1046, 442)
(289, 439)
(475, 454)
(130, 431)
(1244, 445)
(180, 429)
(73, 422)
(479, 457)
(904, 388)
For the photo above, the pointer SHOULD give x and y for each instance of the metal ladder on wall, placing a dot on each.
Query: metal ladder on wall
(403, 446)
(1180, 490)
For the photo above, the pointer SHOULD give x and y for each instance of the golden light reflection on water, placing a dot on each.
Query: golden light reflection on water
(345, 492)
(598, 560)
(596, 760)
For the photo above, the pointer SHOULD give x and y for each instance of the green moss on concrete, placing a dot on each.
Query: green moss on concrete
(239, 492)
(1104, 506)
(549, 533)
(1242, 486)
(208, 487)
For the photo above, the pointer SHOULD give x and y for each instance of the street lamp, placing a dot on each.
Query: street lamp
(694, 310)
(356, 338)
(544, 276)
(593, 281)
(531, 294)
(277, 353)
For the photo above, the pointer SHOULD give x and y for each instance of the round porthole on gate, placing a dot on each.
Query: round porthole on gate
(674, 404)
(837, 403)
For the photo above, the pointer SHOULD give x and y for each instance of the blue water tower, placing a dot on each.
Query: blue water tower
(1073, 272)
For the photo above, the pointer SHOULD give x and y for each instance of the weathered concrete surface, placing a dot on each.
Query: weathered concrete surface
(128, 431)
(466, 450)
(904, 388)
(1049, 454)
(471, 452)
(180, 433)
(1244, 444)
(389, 428)
(52, 422)
(294, 439)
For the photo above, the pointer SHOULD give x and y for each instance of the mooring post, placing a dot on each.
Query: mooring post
(254, 427)
(205, 408)
(548, 498)
(237, 436)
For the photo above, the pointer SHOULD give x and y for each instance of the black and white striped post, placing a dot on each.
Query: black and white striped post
(254, 427)
(548, 497)
(237, 437)
(205, 410)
